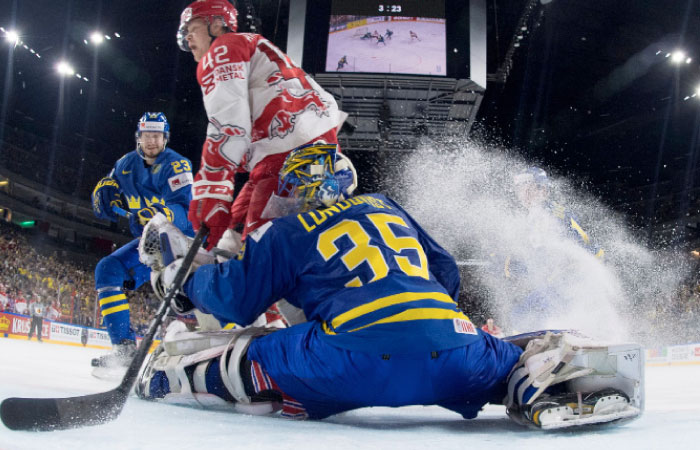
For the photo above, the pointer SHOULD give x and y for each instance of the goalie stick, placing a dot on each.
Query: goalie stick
(48, 414)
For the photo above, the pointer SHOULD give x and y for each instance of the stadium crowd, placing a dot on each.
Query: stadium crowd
(67, 288)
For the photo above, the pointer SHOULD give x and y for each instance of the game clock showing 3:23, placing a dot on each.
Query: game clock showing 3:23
(386, 9)
(405, 8)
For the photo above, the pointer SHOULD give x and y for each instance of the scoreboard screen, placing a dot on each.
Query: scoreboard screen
(400, 36)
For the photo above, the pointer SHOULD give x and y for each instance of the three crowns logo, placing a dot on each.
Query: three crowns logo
(4, 324)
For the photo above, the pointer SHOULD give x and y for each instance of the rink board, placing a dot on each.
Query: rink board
(16, 326)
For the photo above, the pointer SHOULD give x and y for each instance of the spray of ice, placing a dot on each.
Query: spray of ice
(529, 270)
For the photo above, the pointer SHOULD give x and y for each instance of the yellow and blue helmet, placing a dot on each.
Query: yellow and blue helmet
(317, 175)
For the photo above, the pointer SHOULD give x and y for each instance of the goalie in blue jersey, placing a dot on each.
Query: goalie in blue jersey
(149, 180)
(383, 329)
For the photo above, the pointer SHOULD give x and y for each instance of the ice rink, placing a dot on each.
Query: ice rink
(30, 369)
(401, 54)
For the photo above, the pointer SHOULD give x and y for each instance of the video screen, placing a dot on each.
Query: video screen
(402, 36)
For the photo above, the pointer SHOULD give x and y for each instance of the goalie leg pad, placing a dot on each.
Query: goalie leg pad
(607, 381)
(202, 369)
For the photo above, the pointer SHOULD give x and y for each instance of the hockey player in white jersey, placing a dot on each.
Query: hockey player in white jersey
(260, 105)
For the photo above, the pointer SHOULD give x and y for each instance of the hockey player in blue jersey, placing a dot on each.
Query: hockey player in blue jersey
(151, 179)
(383, 329)
(545, 219)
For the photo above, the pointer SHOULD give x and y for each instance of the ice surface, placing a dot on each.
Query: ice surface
(33, 369)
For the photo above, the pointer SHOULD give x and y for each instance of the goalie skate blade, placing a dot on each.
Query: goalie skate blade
(613, 418)
(47, 414)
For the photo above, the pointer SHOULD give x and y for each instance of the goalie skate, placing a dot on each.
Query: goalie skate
(568, 410)
(565, 379)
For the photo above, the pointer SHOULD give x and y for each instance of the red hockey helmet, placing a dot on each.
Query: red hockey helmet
(207, 10)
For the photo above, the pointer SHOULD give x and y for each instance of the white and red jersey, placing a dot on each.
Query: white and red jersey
(21, 305)
(259, 102)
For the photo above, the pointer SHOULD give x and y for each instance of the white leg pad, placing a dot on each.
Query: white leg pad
(584, 364)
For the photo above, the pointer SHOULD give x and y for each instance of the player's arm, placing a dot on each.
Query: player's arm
(176, 192)
(241, 289)
(578, 233)
(105, 196)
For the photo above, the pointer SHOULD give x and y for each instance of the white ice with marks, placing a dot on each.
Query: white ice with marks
(33, 369)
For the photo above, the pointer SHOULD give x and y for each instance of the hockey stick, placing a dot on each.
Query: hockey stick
(47, 414)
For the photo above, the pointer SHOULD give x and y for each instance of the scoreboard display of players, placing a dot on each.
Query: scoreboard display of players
(401, 36)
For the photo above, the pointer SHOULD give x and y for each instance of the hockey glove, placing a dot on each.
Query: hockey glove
(146, 214)
(106, 195)
(162, 281)
(212, 196)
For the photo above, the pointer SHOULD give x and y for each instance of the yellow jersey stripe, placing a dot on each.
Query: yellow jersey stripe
(418, 314)
(112, 299)
(115, 309)
(580, 231)
(409, 315)
(391, 300)
(229, 326)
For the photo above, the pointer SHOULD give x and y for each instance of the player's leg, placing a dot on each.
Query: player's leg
(325, 379)
(263, 183)
(39, 325)
(208, 369)
(111, 274)
(476, 374)
(239, 208)
(31, 328)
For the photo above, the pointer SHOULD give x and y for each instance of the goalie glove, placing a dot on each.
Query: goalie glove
(162, 243)
(212, 196)
(106, 195)
(144, 215)
(162, 281)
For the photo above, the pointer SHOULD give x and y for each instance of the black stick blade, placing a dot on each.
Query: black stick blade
(46, 414)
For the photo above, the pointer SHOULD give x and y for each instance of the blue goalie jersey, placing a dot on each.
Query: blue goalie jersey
(167, 182)
(362, 270)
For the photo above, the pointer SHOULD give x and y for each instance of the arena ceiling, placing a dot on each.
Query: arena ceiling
(590, 92)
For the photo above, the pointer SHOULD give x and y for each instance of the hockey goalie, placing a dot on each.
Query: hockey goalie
(383, 324)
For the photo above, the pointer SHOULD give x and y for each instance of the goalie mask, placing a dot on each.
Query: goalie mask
(152, 122)
(207, 10)
(312, 176)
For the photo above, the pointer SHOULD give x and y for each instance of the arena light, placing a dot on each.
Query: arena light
(96, 38)
(117, 35)
(12, 37)
(64, 68)
(677, 57)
